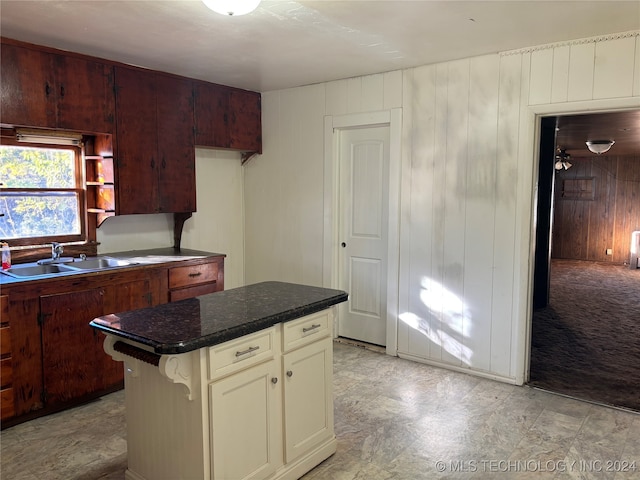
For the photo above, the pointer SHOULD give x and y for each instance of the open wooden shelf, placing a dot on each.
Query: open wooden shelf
(101, 199)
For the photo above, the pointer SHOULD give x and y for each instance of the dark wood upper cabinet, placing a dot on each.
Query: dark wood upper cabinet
(85, 95)
(227, 117)
(155, 153)
(41, 89)
(136, 148)
(155, 119)
(211, 106)
(26, 86)
(176, 147)
(245, 129)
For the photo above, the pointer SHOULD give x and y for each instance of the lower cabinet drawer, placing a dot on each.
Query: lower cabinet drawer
(306, 329)
(190, 292)
(5, 340)
(6, 401)
(6, 372)
(192, 275)
(235, 355)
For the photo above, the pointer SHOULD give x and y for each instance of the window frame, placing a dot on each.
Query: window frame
(79, 190)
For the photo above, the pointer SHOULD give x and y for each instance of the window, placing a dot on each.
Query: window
(42, 197)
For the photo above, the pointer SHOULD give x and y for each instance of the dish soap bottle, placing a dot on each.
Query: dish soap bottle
(6, 256)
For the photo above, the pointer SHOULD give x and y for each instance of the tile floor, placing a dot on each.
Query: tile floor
(394, 419)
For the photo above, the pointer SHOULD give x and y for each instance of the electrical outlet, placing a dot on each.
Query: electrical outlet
(609, 251)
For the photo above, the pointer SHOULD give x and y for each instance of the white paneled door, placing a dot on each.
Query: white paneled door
(364, 214)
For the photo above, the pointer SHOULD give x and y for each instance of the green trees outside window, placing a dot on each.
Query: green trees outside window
(40, 192)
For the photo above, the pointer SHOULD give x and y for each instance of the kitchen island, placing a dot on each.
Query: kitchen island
(231, 385)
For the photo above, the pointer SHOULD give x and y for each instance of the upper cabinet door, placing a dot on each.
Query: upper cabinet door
(211, 115)
(41, 89)
(85, 95)
(27, 84)
(176, 150)
(155, 153)
(136, 149)
(245, 128)
(227, 118)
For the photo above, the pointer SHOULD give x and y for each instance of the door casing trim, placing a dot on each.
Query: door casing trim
(530, 144)
(330, 265)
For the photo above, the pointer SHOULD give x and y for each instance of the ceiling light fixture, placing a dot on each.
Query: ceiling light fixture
(562, 160)
(599, 146)
(232, 7)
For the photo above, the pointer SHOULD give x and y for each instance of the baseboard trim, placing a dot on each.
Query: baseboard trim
(468, 371)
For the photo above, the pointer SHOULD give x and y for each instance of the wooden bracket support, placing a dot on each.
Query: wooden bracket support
(178, 225)
(246, 156)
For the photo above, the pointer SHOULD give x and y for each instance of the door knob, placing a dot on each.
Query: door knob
(343, 244)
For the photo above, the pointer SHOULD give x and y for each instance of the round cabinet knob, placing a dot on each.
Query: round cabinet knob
(274, 380)
(289, 373)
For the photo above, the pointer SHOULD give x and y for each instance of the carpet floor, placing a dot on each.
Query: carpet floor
(586, 342)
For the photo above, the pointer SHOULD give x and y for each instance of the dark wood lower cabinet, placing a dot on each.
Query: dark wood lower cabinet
(71, 361)
(57, 359)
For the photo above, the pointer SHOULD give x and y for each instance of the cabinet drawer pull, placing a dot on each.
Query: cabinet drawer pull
(312, 327)
(193, 275)
(248, 350)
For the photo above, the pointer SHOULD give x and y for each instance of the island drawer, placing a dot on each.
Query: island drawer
(305, 330)
(235, 355)
(192, 275)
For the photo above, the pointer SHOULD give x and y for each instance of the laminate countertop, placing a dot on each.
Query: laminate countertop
(215, 318)
(140, 259)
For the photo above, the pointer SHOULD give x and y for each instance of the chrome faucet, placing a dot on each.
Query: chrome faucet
(56, 251)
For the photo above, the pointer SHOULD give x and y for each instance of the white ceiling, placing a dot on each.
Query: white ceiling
(286, 43)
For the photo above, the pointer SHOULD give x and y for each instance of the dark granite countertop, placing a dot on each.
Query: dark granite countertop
(215, 318)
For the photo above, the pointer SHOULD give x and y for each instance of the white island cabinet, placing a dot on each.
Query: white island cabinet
(259, 406)
(275, 412)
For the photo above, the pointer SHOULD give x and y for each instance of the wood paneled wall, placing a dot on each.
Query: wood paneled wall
(597, 206)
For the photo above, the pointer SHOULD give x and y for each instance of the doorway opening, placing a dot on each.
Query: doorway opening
(584, 338)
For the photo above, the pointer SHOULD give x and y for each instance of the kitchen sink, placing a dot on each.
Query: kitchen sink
(99, 263)
(20, 271)
(95, 264)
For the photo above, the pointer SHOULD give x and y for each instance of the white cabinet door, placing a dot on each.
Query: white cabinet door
(246, 422)
(308, 397)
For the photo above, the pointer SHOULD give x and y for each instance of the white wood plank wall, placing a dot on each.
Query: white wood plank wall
(284, 195)
(467, 188)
